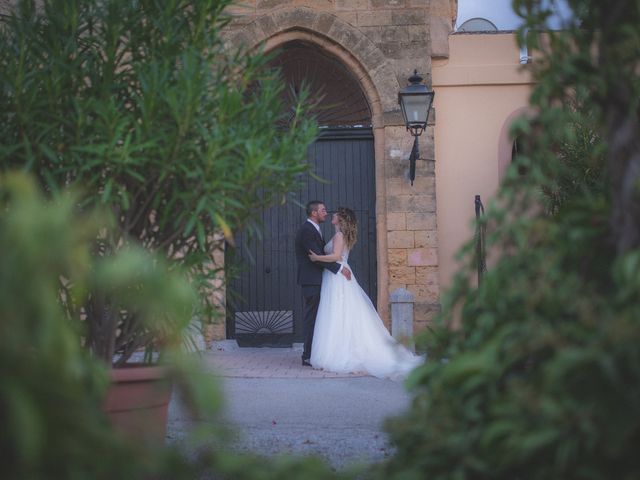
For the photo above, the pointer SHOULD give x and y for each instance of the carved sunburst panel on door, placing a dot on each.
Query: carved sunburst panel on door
(337, 93)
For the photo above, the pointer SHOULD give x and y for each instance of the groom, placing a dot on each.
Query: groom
(309, 237)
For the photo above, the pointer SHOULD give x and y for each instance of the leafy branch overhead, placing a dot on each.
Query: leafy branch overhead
(141, 104)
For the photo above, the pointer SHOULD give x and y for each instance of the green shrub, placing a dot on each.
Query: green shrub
(542, 380)
(52, 390)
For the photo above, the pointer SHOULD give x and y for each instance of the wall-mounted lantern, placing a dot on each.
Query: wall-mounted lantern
(415, 102)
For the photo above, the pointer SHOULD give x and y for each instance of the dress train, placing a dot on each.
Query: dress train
(349, 335)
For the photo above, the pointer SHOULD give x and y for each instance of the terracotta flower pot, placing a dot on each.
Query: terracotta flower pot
(137, 402)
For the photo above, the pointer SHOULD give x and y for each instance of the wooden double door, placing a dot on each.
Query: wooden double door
(264, 303)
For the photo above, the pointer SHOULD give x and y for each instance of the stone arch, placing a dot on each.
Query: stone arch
(336, 37)
(367, 63)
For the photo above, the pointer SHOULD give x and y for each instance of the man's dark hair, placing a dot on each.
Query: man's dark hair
(312, 206)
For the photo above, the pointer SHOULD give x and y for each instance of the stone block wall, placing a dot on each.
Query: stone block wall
(412, 242)
(398, 28)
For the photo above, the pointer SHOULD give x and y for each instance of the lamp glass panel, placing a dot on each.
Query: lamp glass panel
(416, 108)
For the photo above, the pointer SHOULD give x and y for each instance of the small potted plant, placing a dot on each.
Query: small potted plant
(52, 387)
(145, 305)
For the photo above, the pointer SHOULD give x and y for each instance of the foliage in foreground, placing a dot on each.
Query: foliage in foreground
(542, 380)
(137, 109)
(52, 390)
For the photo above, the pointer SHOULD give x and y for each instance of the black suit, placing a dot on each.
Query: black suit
(310, 277)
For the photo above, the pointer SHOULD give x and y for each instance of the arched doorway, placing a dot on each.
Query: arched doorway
(264, 303)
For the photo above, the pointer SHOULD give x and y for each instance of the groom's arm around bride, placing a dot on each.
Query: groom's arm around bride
(310, 273)
(308, 238)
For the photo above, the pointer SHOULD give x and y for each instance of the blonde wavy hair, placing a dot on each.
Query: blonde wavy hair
(348, 225)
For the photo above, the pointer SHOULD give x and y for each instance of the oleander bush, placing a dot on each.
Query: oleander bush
(140, 104)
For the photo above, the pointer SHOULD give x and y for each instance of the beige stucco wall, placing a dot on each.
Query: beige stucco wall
(480, 89)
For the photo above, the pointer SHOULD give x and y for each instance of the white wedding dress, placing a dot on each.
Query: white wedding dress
(349, 335)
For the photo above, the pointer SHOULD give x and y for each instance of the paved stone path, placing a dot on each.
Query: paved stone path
(229, 360)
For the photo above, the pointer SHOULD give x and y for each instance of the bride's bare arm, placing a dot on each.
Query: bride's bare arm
(338, 246)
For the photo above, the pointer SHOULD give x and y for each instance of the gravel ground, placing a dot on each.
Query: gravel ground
(338, 419)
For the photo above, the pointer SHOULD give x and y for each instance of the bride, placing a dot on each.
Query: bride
(349, 335)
